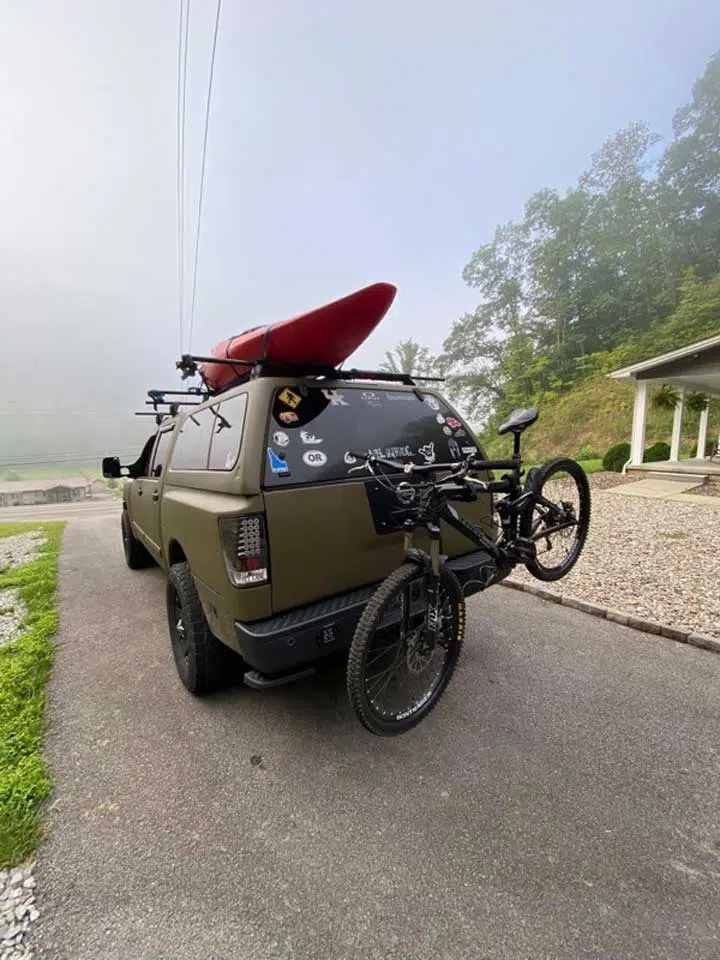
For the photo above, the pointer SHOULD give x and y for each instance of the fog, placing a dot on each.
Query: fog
(382, 142)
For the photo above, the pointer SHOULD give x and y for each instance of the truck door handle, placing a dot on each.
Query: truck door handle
(139, 490)
(156, 496)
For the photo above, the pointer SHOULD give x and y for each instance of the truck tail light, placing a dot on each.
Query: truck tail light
(244, 541)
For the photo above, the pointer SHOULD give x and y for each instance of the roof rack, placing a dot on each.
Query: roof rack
(188, 364)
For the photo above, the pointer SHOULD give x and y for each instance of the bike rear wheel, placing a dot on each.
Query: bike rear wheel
(564, 484)
(403, 654)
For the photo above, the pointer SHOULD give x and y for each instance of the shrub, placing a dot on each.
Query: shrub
(709, 447)
(656, 452)
(588, 453)
(616, 457)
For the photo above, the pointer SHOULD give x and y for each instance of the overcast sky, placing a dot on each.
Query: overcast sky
(349, 142)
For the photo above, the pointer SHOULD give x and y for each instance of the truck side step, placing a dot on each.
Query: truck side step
(262, 681)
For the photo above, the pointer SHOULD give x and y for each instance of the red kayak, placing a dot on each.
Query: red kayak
(324, 337)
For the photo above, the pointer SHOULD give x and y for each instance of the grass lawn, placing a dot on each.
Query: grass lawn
(25, 781)
(589, 466)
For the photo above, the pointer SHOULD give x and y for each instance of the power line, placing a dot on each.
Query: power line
(202, 171)
(64, 458)
(183, 27)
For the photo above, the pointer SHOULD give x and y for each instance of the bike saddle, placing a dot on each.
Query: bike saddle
(518, 421)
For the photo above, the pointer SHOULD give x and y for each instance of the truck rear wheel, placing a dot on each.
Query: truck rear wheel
(136, 556)
(203, 662)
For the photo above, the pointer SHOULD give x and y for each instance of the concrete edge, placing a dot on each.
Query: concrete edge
(692, 637)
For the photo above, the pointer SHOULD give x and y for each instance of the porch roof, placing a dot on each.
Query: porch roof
(695, 367)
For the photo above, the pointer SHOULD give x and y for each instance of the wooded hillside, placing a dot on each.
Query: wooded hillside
(622, 266)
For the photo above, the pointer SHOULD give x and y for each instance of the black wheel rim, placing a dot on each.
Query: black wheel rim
(178, 634)
(558, 549)
(407, 661)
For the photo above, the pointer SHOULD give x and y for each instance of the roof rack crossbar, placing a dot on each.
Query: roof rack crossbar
(190, 392)
(188, 364)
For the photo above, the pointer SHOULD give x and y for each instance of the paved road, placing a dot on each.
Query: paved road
(83, 511)
(562, 801)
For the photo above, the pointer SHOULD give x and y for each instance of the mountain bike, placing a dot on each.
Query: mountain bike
(408, 640)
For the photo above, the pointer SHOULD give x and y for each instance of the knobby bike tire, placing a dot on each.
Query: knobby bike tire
(536, 481)
(365, 632)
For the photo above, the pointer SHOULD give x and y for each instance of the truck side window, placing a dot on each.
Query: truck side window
(161, 449)
(227, 432)
(193, 444)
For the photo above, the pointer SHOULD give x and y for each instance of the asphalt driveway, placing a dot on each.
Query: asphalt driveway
(561, 802)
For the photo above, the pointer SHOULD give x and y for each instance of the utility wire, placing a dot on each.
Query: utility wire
(202, 172)
(181, 112)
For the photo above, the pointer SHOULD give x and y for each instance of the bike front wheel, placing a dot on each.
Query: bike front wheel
(405, 649)
(558, 519)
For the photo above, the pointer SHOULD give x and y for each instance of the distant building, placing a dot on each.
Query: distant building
(17, 493)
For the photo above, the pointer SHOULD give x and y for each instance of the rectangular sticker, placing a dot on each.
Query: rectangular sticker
(289, 398)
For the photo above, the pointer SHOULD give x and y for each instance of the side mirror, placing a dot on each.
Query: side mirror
(111, 467)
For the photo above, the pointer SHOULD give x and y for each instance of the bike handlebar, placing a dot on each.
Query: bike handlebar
(456, 468)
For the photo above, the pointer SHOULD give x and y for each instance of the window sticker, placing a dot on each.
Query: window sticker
(335, 398)
(454, 423)
(280, 438)
(432, 403)
(287, 416)
(290, 398)
(428, 452)
(277, 464)
(315, 458)
(308, 437)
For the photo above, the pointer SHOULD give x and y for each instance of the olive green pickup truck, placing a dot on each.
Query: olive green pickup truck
(272, 534)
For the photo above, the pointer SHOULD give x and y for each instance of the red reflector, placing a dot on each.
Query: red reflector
(252, 563)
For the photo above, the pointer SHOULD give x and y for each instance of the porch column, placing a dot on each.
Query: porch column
(677, 427)
(702, 432)
(637, 440)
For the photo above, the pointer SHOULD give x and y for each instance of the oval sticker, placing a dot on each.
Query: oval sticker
(315, 458)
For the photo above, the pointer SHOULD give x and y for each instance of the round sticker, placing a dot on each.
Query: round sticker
(447, 431)
(281, 438)
(315, 458)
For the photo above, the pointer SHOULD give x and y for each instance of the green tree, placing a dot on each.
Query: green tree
(410, 357)
(690, 173)
(596, 269)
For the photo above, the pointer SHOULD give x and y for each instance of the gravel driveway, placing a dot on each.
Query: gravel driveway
(655, 559)
(561, 802)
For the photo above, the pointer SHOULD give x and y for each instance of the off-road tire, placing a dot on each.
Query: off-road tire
(203, 663)
(137, 557)
(365, 631)
(536, 481)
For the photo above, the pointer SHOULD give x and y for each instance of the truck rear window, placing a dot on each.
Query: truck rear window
(314, 432)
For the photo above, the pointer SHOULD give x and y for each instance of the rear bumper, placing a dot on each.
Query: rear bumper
(319, 629)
